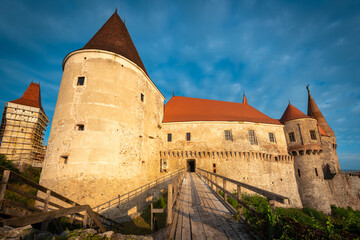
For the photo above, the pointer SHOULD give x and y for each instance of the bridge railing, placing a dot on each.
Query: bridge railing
(174, 189)
(213, 178)
(127, 197)
(50, 204)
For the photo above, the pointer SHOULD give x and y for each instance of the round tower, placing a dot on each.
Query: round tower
(329, 158)
(105, 129)
(304, 143)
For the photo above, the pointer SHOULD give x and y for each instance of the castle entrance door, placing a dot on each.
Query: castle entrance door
(190, 166)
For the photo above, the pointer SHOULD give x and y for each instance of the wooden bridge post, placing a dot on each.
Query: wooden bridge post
(169, 204)
(47, 199)
(72, 215)
(44, 225)
(152, 217)
(240, 207)
(85, 219)
(216, 188)
(4, 183)
(224, 188)
(211, 181)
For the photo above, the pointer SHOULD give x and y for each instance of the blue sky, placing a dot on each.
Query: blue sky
(205, 49)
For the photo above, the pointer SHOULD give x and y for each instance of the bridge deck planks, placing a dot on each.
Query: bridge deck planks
(201, 215)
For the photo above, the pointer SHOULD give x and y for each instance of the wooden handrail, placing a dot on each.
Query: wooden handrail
(267, 194)
(38, 186)
(173, 191)
(47, 216)
(7, 174)
(121, 199)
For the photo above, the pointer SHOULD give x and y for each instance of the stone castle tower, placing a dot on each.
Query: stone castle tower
(303, 138)
(22, 129)
(106, 123)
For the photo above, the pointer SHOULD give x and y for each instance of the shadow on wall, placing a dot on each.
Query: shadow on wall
(131, 204)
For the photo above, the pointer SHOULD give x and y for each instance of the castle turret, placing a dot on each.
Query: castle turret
(105, 130)
(330, 159)
(304, 143)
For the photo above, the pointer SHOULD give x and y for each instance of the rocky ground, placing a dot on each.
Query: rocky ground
(28, 233)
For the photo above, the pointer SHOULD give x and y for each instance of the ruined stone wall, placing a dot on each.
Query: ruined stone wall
(266, 164)
(345, 190)
(115, 151)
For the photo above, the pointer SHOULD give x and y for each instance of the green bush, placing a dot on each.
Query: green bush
(306, 223)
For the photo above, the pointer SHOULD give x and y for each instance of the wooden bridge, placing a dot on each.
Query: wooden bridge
(201, 215)
(195, 209)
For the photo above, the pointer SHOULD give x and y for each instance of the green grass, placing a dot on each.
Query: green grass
(30, 173)
(306, 223)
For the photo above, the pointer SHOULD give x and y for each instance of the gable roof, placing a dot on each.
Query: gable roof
(292, 113)
(31, 97)
(114, 37)
(185, 109)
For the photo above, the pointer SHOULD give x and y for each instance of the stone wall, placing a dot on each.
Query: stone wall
(266, 164)
(345, 190)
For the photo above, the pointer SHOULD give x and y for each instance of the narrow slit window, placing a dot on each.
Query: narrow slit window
(80, 127)
(169, 137)
(292, 137)
(81, 81)
(142, 97)
(316, 172)
(312, 134)
(299, 173)
(188, 136)
(228, 135)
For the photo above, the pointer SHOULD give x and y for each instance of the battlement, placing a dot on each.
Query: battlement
(227, 154)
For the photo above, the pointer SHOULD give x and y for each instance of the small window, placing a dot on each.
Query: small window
(80, 127)
(252, 137)
(299, 172)
(81, 81)
(188, 136)
(228, 135)
(312, 134)
(292, 137)
(272, 137)
(316, 172)
(169, 137)
(142, 97)
(64, 159)
(214, 167)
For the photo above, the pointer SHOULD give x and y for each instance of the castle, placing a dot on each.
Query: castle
(22, 129)
(111, 133)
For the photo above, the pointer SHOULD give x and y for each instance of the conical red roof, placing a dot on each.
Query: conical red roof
(185, 109)
(245, 101)
(31, 97)
(314, 111)
(113, 36)
(292, 113)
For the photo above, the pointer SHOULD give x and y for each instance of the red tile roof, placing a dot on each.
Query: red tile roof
(31, 97)
(113, 36)
(315, 112)
(185, 109)
(292, 113)
(322, 132)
